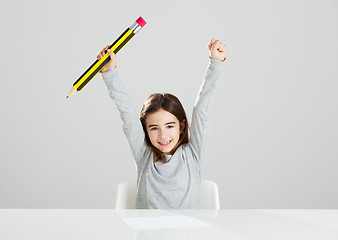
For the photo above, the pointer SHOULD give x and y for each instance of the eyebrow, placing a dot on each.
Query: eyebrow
(154, 125)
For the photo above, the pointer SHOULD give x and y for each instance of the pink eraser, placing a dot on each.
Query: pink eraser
(140, 21)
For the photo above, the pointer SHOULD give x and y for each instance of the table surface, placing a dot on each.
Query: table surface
(99, 224)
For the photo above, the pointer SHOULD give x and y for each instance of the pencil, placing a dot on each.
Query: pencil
(91, 72)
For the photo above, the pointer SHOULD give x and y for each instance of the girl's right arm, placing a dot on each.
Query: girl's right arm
(132, 126)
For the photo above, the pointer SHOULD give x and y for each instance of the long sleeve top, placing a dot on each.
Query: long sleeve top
(177, 182)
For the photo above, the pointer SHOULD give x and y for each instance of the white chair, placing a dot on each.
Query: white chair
(126, 195)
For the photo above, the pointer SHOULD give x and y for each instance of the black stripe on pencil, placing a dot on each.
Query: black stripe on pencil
(104, 62)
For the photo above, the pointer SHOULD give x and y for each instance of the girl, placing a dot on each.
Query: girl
(168, 162)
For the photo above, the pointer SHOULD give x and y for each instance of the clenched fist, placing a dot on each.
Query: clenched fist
(217, 50)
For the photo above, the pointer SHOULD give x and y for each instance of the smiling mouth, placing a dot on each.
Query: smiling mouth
(165, 143)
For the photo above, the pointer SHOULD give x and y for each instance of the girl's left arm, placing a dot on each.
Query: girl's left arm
(199, 123)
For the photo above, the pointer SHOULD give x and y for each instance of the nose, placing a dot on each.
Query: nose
(163, 134)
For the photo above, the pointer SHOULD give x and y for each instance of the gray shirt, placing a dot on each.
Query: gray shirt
(176, 183)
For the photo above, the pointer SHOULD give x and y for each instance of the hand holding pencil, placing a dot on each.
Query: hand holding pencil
(112, 62)
(104, 56)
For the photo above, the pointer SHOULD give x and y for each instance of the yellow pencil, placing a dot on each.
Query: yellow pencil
(125, 37)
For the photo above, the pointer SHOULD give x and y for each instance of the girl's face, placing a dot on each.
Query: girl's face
(164, 130)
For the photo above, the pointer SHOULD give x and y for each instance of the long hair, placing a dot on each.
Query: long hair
(169, 103)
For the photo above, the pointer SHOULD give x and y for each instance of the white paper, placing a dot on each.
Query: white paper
(142, 223)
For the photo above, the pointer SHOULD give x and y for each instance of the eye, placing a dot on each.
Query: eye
(153, 129)
(170, 126)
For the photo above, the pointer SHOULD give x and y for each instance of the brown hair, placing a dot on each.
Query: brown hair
(170, 103)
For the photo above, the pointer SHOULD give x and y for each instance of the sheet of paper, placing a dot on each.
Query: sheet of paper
(143, 223)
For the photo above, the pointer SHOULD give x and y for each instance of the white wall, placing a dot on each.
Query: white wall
(273, 140)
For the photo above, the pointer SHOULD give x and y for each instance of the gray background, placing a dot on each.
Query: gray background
(273, 140)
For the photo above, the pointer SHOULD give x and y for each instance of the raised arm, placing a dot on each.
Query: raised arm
(130, 119)
(199, 122)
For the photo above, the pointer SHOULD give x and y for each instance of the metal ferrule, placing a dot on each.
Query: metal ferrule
(135, 27)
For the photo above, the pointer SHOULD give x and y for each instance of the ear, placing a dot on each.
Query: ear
(182, 125)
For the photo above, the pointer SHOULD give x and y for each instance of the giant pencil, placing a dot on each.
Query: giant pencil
(125, 37)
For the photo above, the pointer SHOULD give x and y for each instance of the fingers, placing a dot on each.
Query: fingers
(103, 52)
(214, 43)
(217, 50)
(112, 55)
(222, 47)
(211, 43)
(215, 47)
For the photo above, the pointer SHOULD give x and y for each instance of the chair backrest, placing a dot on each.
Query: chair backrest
(210, 197)
(126, 195)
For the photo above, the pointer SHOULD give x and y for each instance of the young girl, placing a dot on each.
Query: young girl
(168, 162)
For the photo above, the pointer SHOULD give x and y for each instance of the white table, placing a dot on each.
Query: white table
(102, 224)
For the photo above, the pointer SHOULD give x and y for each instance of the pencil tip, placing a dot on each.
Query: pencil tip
(67, 97)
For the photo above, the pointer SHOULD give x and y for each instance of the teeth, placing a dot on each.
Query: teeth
(164, 143)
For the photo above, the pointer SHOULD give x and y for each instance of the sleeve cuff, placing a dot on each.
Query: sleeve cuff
(109, 74)
(215, 63)
(214, 60)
